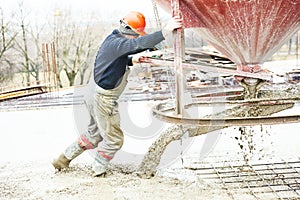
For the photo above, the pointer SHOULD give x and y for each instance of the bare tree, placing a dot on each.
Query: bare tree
(22, 45)
(86, 49)
(28, 46)
(74, 43)
(35, 61)
(75, 47)
(6, 44)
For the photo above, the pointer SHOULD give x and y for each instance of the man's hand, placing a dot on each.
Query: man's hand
(144, 57)
(174, 23)
(139, 58)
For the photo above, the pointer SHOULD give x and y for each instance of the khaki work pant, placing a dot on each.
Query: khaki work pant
(104, 133)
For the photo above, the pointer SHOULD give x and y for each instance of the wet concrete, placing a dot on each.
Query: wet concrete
(151, 160)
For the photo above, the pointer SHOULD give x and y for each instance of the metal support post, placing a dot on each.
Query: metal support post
(178, 56)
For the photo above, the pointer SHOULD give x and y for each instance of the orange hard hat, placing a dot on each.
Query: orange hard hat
(136, 21)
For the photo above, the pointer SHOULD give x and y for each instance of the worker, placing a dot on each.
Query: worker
(121, 49)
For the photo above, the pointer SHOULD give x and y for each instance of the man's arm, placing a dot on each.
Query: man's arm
(134, 45)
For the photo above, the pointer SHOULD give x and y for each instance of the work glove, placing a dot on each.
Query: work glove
(139, 58)
(144, 57)
(174, 23)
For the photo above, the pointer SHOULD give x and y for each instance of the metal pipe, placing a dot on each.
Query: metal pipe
(178, 55)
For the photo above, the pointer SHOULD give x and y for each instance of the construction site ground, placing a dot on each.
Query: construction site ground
(255, 162)
(210, 166)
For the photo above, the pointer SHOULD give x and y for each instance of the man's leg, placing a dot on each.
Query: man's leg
(88, 140)
(108, 120)
(112, 142)
(67, 156)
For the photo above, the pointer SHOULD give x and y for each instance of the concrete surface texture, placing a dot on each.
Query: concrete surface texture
(235, 159)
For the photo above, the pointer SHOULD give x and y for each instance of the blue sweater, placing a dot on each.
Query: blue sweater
(114, 56)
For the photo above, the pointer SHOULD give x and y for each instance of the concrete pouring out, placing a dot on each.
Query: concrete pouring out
(152, 158)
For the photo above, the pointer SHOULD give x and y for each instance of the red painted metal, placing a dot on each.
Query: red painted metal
(246, 31)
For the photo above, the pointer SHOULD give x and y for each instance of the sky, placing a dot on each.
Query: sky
(111, 9)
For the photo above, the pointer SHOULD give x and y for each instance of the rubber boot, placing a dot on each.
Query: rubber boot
(99, 166)
(65, 158)
(99, 169)
(61, 162)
